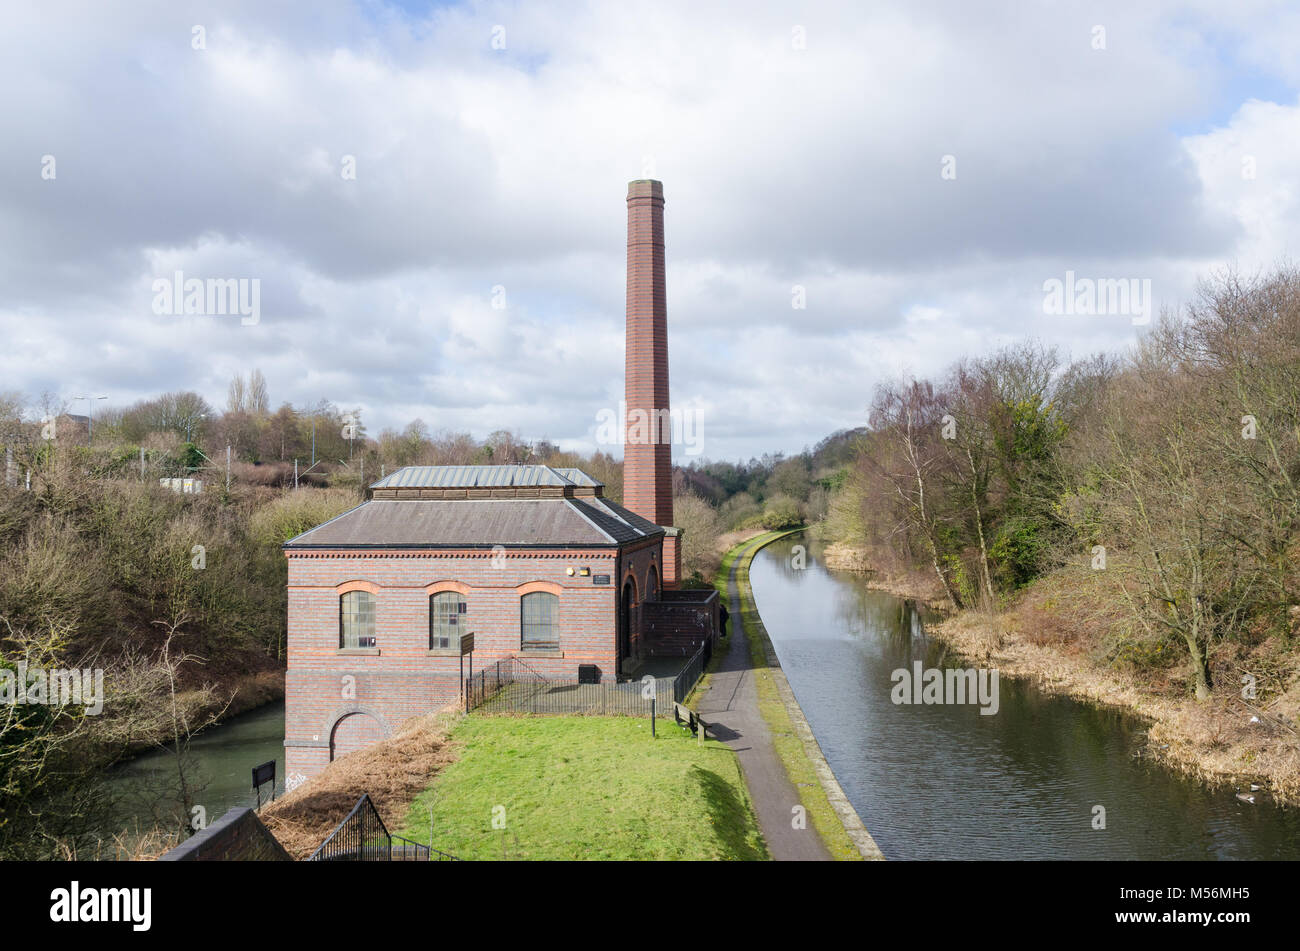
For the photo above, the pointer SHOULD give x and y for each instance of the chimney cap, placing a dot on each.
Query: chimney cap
(645, 188)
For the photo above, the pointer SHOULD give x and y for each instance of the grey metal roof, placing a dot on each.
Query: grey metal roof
(578, 477)
(475, 523)
(467, 477)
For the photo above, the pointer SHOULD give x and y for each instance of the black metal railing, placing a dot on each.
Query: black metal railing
(690, 675)
(570, 696)
(509, 672)
(404, 850)
(510, 686)
(363, 837)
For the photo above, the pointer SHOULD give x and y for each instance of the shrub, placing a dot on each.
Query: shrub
(782, 512)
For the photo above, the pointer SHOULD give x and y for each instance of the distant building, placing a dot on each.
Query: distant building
(533, 560)
(72, 428)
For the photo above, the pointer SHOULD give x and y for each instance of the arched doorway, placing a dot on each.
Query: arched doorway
(626, 600)
(352, 732)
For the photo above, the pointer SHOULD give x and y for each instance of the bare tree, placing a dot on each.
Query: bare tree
(237, 395)
(258, 401)
(186, 719)
(909, 417)
(971, 441)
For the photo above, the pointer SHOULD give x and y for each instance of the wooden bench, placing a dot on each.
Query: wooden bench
(686, 716)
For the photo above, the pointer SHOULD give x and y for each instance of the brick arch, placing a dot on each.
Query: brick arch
(437, 587)
(653, 582)
(374, 728)
(630, 575)
(628, 620)
(529, 587)
(346, 586)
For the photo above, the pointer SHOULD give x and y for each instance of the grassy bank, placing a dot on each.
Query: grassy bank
(785, 739)
(585, 788)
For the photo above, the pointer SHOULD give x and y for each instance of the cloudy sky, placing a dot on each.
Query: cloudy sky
(919, 169)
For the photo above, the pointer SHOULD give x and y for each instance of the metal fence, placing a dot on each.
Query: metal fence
(510, 686)
(363, 837)
(690, 675)
(484, 686)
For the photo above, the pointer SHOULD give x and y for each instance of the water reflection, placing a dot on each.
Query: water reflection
(943, 781)
(144, 791)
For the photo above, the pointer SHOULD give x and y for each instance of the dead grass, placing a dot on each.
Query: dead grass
(393, 772)
(729, 540)
(900, 581)
(136, 844)
(1066, 634)
(236, 695)
(144, 847)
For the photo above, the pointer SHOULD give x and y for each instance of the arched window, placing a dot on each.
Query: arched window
(652, 585)
(357, 619)
(446, 620)
(539, 615)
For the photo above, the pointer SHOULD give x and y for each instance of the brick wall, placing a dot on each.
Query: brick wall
(676, 627)
(647, 451)
(339, 700)
(238, 836)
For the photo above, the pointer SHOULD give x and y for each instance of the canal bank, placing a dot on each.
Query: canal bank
(1047, 777)
(143, 793)
(803, 812)
(1227, 742)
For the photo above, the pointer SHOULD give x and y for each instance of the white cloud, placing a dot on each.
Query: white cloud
(818, 167)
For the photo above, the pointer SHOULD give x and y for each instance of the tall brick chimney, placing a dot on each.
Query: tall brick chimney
(647, 449)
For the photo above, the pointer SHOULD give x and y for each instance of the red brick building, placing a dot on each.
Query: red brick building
(534, 561)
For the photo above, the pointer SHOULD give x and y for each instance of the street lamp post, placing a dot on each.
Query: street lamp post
(90, 413)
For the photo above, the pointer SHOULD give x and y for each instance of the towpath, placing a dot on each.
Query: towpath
(731, 709)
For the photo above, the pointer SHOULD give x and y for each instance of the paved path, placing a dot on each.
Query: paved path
(731, 709)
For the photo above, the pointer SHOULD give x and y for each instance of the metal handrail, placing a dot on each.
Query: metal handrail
(358, 839)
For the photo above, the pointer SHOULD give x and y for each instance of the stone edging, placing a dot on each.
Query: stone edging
(849, 818)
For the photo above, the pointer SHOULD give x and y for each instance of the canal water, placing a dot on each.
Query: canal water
(145, 790)
(945, 782)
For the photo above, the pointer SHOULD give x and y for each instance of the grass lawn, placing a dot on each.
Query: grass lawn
(586, 788)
